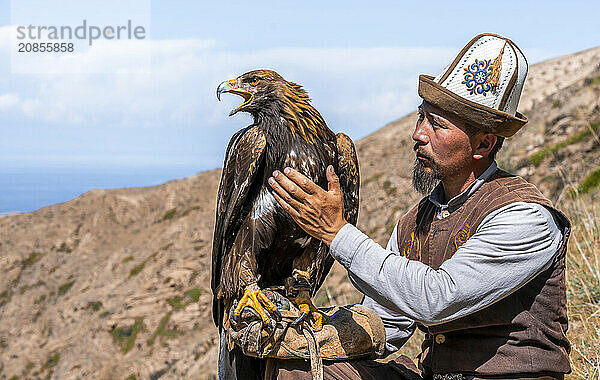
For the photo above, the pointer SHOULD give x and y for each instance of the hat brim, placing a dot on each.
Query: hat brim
(487, 118)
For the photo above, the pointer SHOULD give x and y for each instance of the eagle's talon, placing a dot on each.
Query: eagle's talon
(255, 299)
(307, 308)
(318, 320)
(299, 320)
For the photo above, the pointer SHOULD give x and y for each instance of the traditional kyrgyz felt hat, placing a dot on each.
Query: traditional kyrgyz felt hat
(482, 85)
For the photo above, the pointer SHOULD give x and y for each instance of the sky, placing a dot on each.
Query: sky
(151, 103)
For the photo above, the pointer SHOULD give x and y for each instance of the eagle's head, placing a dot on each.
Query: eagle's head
(267, 95)
(263, 91)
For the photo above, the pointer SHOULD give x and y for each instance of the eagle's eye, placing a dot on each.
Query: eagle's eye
(254, 81)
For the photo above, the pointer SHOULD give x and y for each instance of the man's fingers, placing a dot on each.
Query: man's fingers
(283, 194)
(333, 181)
(286, 206)
(301, 180)
(289, 185)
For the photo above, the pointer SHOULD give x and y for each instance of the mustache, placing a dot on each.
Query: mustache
(421, 153)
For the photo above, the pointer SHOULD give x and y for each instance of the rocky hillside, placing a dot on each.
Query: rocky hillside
(115, 283)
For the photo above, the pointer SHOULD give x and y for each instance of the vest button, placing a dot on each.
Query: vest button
(445, 214)
(440, 338)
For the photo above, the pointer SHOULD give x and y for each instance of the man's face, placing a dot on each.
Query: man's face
(442, 145)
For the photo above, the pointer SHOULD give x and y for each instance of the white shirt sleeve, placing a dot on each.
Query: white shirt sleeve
(510, 247)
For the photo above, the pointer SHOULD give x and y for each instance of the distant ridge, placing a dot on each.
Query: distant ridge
(8, 213)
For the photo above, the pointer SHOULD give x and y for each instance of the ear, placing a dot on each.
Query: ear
(484, 145)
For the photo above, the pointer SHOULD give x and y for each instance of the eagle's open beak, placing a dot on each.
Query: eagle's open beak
(231, 86)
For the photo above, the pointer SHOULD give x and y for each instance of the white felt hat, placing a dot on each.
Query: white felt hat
(482, 85)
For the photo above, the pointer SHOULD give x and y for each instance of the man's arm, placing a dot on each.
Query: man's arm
(510, 247)
(398, 328)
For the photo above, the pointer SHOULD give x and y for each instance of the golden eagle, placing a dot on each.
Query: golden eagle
(256, 243)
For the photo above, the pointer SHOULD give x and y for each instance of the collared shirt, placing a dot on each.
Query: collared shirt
(510, 247)
(437, 195)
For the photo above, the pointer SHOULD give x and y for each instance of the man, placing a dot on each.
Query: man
(479, 263)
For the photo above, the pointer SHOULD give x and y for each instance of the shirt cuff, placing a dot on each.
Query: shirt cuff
(345, 244)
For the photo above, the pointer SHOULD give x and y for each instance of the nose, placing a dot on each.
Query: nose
(420, 134)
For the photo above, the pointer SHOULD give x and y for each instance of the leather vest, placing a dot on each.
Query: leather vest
(524, 332)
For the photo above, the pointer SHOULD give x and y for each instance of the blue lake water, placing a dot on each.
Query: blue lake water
(28, 189)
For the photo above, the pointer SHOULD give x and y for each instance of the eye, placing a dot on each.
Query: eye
(436, 124)
(254, 81)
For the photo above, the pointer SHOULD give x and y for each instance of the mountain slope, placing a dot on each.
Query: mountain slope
(116, 282)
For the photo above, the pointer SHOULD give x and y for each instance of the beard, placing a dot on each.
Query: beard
(424, 181)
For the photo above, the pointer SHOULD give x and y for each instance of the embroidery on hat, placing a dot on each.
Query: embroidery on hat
(496, 68)
(461, 237)
(476, 76)
(411, 249)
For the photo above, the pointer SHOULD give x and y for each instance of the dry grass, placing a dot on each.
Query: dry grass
(549, 150)
(583, 285)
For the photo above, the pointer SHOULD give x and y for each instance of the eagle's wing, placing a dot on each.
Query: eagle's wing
(242, 161)
(349, 176)
(350, 183)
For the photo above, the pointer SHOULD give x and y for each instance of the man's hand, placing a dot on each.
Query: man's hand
(318, 212)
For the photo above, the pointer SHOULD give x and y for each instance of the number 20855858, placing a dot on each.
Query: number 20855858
(46, 47)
